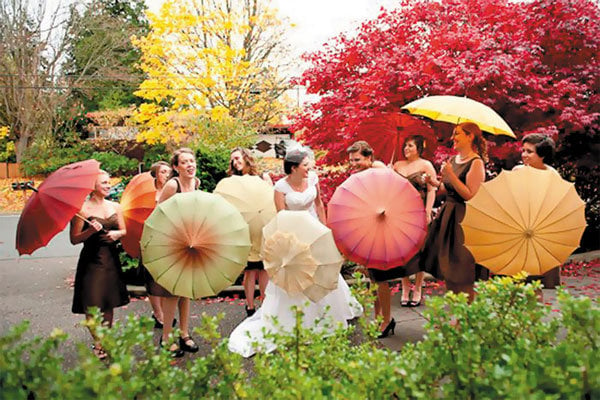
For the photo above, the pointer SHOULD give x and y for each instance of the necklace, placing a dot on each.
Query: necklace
(466, 158)
(295, 186)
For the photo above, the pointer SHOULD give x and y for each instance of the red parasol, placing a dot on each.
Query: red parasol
(137, 202)
(377, 218)
(386, 132)
(54, 203)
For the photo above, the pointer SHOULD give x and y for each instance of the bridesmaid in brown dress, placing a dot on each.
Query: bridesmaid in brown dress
(444, 254)
(538, 152)
(415, 169)
(98, 278)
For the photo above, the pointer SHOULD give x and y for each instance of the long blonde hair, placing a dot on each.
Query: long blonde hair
(248, 160)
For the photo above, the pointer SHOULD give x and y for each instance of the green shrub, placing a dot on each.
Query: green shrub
(504, 345)
(46, 154)
(115, 164)
(212, 165)
(154, 153)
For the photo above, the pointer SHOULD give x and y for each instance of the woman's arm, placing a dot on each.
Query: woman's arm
(431, 189)
(319, 206)
(77, 234)
(115, 234)
(475, 177)
(279, 201)
(169, 190)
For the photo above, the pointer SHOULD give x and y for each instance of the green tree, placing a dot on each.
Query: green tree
(105, 27)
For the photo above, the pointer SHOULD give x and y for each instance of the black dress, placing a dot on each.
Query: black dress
(412, 266)
(98, 280)
(444, 255)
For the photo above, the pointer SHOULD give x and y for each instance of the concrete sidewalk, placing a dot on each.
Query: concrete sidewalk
(39, 290)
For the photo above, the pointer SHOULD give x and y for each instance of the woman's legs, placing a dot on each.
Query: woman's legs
(263, 279)
(419, 276)
(184, 316)
(107, 319)
(405, 290)
(384, 299)
(249, 287)
(156, 303)
(169, 305)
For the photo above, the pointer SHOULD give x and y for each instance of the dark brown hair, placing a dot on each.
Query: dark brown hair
(362, 147)
(419, 143)
(544, 146)
(175, 158)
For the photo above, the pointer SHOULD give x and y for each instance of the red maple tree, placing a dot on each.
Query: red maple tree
(535, 63)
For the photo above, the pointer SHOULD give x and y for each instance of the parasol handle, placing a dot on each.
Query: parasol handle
(89, 222)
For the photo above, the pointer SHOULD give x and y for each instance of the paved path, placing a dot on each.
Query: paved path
(39, 290)
(59, 246)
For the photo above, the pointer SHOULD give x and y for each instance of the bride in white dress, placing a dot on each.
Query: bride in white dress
(299, 190)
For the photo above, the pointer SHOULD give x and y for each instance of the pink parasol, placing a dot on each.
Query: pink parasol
(377, 218)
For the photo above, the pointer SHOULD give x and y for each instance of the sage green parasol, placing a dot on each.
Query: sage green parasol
(195, 244)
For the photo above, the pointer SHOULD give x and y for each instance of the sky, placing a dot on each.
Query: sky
(318, 20)
(314, 22)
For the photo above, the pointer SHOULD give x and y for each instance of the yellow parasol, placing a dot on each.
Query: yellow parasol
(300, 255)
(524, 220)
(253, 198)
(456, 109)
(195, 244)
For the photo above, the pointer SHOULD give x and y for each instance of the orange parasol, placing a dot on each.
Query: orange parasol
(137, 202)
(524, 220)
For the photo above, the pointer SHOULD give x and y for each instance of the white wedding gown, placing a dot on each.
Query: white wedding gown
(325, 316)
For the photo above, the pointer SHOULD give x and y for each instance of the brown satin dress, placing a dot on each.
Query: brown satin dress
(444, 255)
(98, 280)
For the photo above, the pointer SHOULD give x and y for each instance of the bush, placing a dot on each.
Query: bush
(154, 153)
(503, 345)
(115, 164)
(46, 154)
(212, 166)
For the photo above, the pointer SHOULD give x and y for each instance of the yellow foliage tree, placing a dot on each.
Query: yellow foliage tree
(215, 60)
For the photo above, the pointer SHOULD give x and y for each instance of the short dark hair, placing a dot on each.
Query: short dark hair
(544, 146)
(362, 147)
(419, 142)
(287, 166)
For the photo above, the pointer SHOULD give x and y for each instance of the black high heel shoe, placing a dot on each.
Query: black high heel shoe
(250, 311)
(415, 303)
(159, 325)
(177, 353)
(191, 347)
(389, 330)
